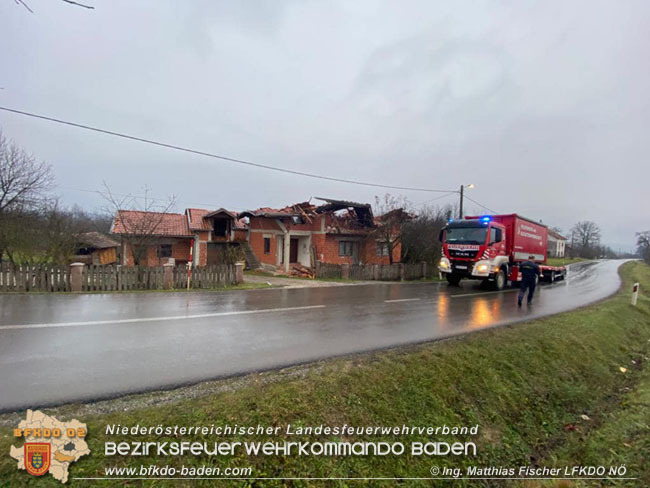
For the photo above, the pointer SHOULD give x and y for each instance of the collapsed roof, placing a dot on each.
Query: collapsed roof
(363, 211)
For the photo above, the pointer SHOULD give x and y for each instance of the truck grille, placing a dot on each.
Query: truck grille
(454, 253)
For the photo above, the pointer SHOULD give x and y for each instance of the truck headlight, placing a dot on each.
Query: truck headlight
(482, 268)
(444, 265)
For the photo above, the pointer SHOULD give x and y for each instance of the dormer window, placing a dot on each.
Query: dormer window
(220, 227)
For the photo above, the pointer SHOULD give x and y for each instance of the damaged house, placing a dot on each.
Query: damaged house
(334, 232)
(153, 238)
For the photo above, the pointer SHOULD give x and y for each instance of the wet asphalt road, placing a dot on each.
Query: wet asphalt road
(60, 348)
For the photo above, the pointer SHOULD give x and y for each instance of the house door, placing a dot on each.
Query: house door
(215, 253)
(293, 250)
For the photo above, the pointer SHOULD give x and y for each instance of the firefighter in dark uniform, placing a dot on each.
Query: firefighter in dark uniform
(529, 272)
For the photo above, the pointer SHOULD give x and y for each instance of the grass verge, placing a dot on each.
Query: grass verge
(239, 286)
(563, 261)
(549, 393)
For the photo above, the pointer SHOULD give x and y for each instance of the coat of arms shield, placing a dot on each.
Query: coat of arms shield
(37, 457)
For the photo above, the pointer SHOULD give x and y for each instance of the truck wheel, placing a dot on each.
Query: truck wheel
(453, 279)
(500, 280)
(552, 279)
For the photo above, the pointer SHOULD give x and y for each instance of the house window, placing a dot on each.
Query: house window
(165, 251)
(220, 227)
(383, 249)
(267, 245)
(345, 248)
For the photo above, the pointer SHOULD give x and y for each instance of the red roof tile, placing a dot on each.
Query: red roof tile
(198, 222)
(196, 219)
(150, 223)
(241, 224)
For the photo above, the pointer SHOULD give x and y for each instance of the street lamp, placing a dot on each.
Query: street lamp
(462, 189)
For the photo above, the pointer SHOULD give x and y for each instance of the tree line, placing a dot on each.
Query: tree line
(34, 226)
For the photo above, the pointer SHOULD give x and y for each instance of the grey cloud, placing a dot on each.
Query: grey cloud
(544, 105)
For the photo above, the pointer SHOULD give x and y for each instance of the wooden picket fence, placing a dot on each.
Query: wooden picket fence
(121, 278)
(44, 278)
(326, 270)
(212, 276)
(37, 277)
(362, 272)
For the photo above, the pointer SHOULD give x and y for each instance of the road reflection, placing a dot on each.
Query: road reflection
(485, 312)
(443, 309)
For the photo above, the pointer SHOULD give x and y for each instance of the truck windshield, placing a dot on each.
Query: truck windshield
(466, 235)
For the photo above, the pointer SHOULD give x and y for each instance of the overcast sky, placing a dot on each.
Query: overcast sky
(544, 106)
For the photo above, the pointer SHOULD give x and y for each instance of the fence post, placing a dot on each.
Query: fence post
(168, 276)
(239, 272)
(376, 273)
(401, 271)
(424, 269)
(345, 271)
(76, 275)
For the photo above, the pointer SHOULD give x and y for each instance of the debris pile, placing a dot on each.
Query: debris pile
(301, 271)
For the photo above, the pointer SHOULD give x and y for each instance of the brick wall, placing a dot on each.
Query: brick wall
(257, 244)
(328, 250)
(240, 235)
(203, 253)
(370, 253)
(263, 223)
(180, 252)
(325, 245)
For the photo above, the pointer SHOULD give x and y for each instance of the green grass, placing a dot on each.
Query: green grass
(563, 261)
(526, 386)
(239, 286)
(340, 280)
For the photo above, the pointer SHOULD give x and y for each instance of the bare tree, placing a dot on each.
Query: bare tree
(585, 239)
(391, 219)
(70, 2)
(643, 245)
(23, 180)
(139, 219)
(24, 183)
(420, 235)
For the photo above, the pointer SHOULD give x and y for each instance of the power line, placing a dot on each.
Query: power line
(481, 205)
(216, 156)
(437, 198)
(153, 198)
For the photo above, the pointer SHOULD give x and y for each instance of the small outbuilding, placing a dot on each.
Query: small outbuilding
(96, 248)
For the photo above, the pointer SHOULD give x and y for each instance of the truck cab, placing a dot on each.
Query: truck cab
(475, 248)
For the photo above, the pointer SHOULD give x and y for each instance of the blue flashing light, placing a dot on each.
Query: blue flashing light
(485, 219)
(450, 220)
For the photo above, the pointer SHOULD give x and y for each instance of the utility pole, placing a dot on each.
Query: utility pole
(462, 191)
(460, 212)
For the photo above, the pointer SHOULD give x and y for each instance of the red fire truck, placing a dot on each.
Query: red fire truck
(490, 248)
